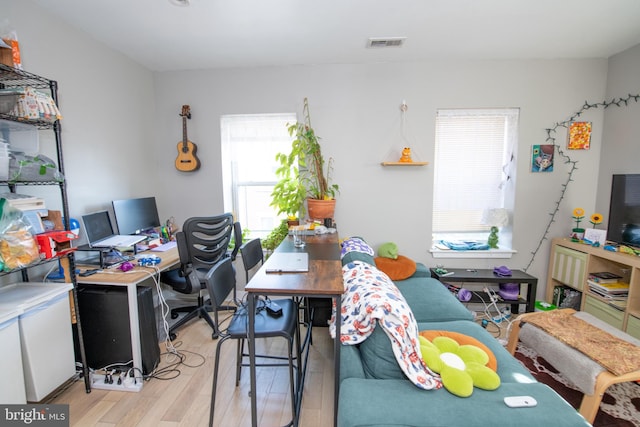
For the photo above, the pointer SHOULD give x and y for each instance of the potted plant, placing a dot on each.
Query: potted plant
(288, 194)
(305, 173)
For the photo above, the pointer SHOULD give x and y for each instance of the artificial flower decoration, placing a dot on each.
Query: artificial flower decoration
(596, 219)
(578, 214)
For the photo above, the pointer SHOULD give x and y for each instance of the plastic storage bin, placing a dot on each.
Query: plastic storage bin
(46, 338)
(12, 390)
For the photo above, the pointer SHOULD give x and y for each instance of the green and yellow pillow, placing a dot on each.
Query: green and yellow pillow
(462, 361)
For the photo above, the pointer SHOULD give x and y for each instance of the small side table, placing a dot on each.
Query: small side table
(461, 275)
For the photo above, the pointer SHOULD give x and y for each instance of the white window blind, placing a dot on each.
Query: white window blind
(473, 156)
(250, 143)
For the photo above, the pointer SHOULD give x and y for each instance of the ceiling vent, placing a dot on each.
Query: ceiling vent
(386, 42)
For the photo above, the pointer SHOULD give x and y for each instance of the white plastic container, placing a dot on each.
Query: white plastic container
(12, 390)
(21, 137)
(45, 334)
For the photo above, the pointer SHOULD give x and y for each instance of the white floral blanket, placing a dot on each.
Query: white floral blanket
(371, 296)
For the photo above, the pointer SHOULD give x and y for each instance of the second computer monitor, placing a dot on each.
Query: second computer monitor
(134, 216)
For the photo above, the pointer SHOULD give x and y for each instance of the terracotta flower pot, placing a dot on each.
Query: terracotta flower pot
(321, 209)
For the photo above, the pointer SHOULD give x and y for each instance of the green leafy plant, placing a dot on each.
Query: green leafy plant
(288, 194)
(275, 237)
(303, 172)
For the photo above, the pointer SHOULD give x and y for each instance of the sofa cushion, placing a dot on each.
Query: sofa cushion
(370, 402)
(378, 360)
(356, 249)
(351, 362)
(399, 268)
(430, 300)
(421, 270)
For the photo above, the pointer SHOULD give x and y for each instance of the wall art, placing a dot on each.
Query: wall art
(542, 158)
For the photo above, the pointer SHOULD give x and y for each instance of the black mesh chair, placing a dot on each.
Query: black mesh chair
(202, 243)
(220, 281)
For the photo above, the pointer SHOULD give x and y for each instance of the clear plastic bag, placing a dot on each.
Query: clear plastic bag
(18, 247)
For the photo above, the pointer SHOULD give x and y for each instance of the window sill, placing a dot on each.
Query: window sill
(491, 253)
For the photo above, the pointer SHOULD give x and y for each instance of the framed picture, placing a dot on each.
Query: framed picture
(542, 158)
(596, 235)
(579, 136)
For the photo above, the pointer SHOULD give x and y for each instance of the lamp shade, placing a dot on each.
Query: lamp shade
(498, 217)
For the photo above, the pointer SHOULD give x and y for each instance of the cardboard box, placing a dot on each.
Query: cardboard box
(11, 56)
(56, 218)
(6, 56)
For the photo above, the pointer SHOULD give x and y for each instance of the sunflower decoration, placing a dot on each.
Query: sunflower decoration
(578, 215)
(596, 219)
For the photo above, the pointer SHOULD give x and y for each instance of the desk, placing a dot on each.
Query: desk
(324, 279)
(130, 279)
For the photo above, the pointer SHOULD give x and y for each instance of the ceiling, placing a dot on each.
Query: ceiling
(253, 33)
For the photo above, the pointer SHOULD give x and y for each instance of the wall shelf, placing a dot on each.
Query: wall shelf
(404, 163)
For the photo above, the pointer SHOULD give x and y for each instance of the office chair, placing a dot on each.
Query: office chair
(202, 243)
(220, 281)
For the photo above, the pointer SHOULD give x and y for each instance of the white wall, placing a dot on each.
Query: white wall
(621, 152)
(121, 128)
(107, 105)
(355, 109)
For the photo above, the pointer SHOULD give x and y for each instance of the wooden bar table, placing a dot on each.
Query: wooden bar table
(324, 279)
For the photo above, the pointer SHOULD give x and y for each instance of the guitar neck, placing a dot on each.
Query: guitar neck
(184, 132)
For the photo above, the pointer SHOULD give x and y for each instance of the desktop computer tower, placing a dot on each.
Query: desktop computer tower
(104, 316)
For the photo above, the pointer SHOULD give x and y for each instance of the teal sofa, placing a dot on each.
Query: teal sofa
(375, 392)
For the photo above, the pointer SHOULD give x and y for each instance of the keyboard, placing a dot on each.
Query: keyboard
(165, 246)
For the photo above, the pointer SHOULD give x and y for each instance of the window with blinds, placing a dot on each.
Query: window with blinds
(248, 141)
(474, 153)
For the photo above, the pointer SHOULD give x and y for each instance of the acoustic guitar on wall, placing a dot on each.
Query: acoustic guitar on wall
(186, 160)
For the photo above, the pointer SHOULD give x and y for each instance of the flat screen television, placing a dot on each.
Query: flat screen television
(135, 216)
(624, 210)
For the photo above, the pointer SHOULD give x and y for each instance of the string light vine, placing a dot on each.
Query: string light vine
(573, 164)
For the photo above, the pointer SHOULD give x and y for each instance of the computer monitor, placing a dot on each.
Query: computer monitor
(134, 216)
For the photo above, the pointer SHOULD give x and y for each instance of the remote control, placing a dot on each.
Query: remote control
(520, 401)
(274, 309)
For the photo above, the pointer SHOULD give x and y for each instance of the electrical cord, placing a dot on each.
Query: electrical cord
(488, 320)
(119, 371)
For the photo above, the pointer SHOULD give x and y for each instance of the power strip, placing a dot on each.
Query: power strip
(128, 383)
(505, 314)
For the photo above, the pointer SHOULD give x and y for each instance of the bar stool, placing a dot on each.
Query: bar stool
(220, 282)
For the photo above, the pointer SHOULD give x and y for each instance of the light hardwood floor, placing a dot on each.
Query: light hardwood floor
(185, 399)
(182, 396)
